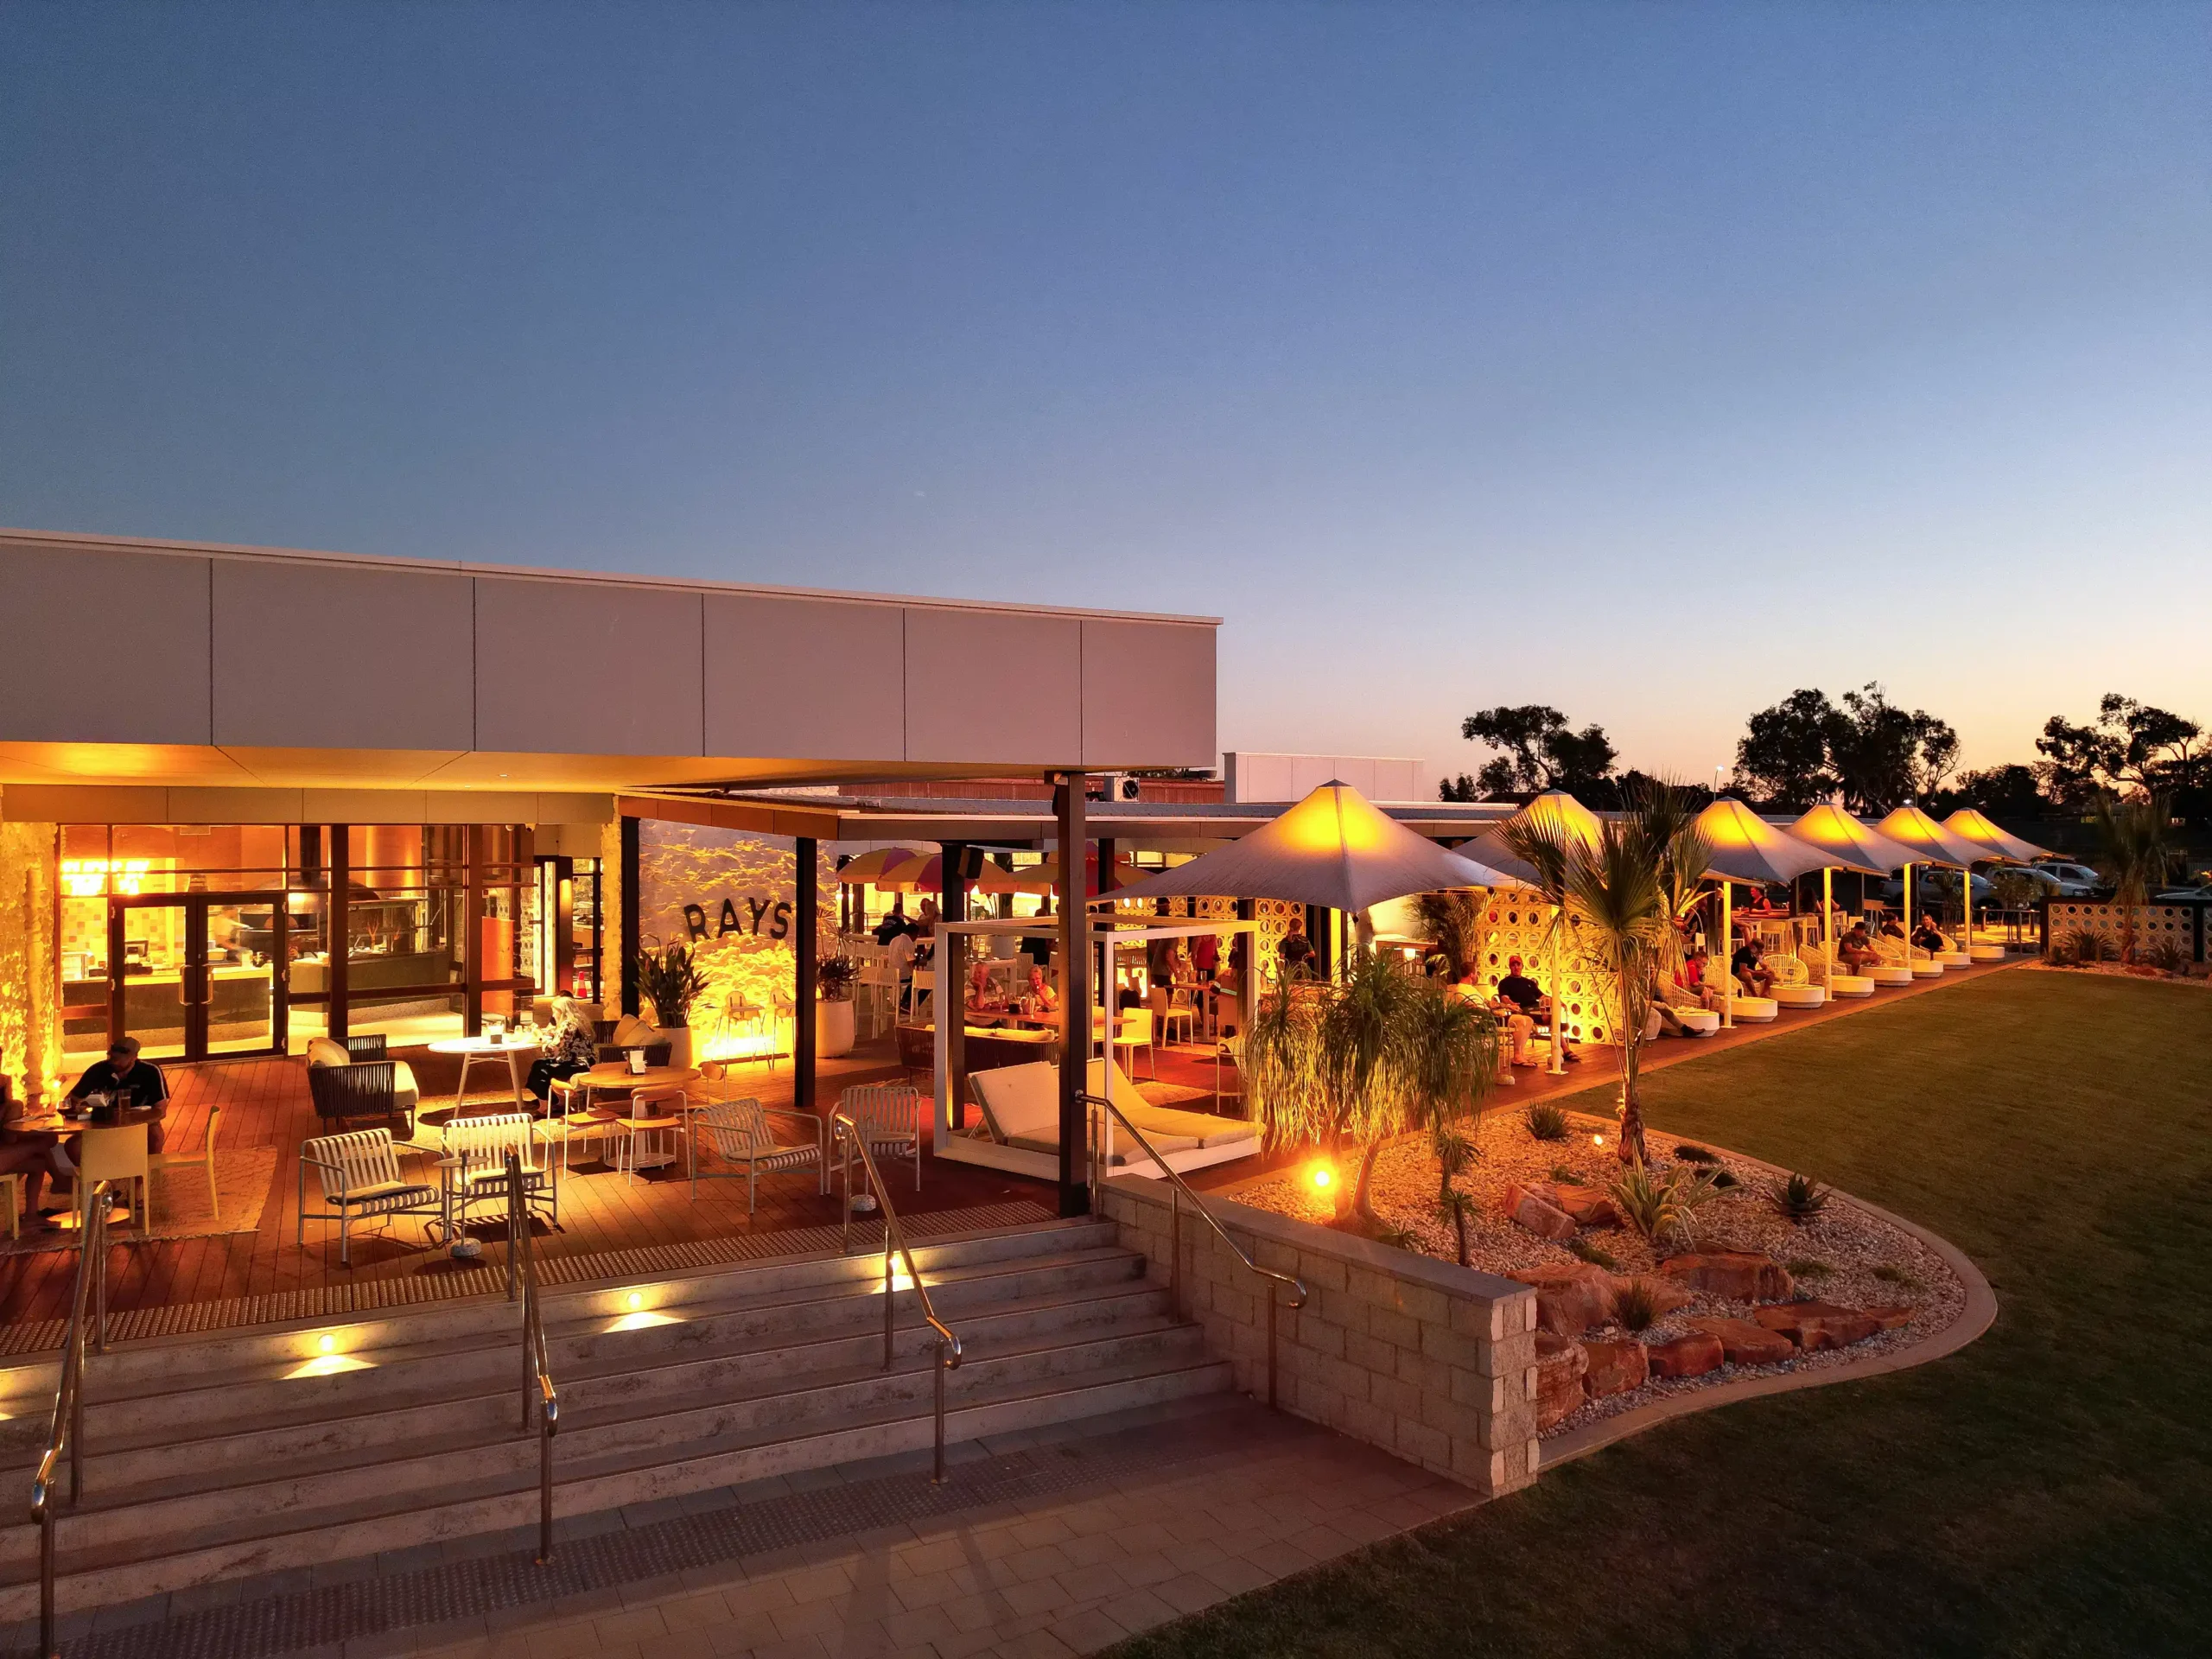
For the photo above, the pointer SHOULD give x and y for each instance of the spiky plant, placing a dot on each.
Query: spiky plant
(1546, 1121)
(1459, 1209)
(1635, 1306)
(2131, 842)
(1661, 1207)
(1796, 1199)
(672, 981)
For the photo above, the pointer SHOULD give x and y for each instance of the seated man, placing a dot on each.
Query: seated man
(1524, 1003)
(1692, 978)
(983, 994)
(1857, 949)
(1930, 938)
(1753, 974)
(134, 1083)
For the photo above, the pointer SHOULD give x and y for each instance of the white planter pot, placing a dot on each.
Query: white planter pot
(679, 1046)
(833, 1028)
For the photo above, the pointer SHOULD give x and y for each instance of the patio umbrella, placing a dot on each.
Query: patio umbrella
(1930, 844)
(1835, 830)
(869, 868)
(1333, 849)
(1567, 819)
(1046, 877)
(1995, 846)
(1741, 846)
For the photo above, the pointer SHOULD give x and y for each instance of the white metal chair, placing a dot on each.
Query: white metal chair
(644, 1136)
(889, 1118)
(479, 1148)
(875, 993)
(360, 1173)
(1134, 1030)
(114, 1154)
(204, 1159)
(740, 1135)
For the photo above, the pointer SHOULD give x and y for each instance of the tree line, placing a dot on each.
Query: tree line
(1869, 753)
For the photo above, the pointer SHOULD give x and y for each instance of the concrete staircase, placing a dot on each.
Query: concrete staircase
(253, 1451)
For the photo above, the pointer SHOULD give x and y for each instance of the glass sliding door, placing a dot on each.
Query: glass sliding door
(200, 976)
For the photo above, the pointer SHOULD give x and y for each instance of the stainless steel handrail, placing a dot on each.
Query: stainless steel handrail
(537, 1374)
(69, 1427)
(1178, 1189)
(843, 1123)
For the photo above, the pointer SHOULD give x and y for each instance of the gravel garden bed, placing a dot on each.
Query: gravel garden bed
(1846, 1256)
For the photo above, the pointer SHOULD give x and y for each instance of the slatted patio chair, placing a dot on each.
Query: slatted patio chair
(366, 1088)
(889, 1117)
(478, 1148)
(360, 1173)
(740, 1134)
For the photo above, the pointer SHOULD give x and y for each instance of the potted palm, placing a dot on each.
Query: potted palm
(672, 981)
(833, 976)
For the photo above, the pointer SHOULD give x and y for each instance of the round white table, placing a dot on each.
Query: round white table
(472, 1049)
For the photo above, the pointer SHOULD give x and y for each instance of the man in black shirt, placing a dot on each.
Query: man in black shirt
(1752, 975)
(1520, 998)
(1296, 951)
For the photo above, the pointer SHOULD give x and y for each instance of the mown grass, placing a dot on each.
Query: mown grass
(2048, 1491)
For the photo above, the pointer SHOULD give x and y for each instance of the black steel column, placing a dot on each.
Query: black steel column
(950, 1004)
(338, 859)
(803, 1012)
(1074, 991)
(630, 929)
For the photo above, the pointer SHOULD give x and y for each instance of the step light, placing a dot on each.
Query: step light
(327, 1361)
(637, 1316)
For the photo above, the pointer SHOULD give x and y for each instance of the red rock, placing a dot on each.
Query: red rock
(1890, 1318)
(1587, 1206)
(1570, 1300)
(1615, 1367)
(1732, 1275)
(1666, 1294)
(1539, 1215)
(1815, 1326)
(1690, 1355)
(1745, 1342)
(1560, 1367)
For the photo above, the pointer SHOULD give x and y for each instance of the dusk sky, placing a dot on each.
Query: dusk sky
(1647, 361)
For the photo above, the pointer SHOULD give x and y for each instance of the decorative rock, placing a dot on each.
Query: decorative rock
(1615, 1367)
(1666, 1294)
(1539, 1215)
(1745, 1342)
(1890, 1318)
(1815, 1326)
(1733, 1275)
(1560, 1367)
(1587, 1206)
(1570, 1300)
(1690, 1355)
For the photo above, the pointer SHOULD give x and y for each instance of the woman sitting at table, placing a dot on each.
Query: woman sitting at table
(1040, 996)
(572, 1048)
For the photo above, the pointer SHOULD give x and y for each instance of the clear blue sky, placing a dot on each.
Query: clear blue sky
(1650, 361)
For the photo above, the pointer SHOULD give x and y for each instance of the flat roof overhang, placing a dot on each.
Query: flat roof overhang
(257, 667)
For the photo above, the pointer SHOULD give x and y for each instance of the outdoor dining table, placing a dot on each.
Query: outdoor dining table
(53, 1127)
(476, 1048)
(615, 1077)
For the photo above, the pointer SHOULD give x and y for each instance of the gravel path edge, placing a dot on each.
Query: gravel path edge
(1976, 1317)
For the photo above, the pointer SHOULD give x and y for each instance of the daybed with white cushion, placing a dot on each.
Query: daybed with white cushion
(1794, 986)
(1022, 1110)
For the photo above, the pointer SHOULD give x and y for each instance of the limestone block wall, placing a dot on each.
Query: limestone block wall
(31, 969)
(732, 897)
(1432, 1361)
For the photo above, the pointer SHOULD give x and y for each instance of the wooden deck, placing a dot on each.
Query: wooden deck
(265, 1104)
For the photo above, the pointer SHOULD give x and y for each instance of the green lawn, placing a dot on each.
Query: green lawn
(2048, 1490)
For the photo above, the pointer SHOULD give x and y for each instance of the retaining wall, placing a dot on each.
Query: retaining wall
(1432, 1361)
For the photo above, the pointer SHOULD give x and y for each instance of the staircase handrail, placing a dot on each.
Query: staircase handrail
(847, 1127)
(68, 1431)
(537, 1372)
(1178, 1189)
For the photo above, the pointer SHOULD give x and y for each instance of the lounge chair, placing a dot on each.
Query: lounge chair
(359, 1174)
(740, 1135)
(1828, 972)
(1021, 1108)
(1794, 986)
(1687, 1009)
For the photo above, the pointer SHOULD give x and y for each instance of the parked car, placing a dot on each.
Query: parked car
(2203, 891)
(2074, 881)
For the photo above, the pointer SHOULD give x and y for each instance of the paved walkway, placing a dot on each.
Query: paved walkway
(1044, 1543)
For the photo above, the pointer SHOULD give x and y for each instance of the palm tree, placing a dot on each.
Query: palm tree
(1620, 896)
(1354, 1061)
(2132, 839)
(1457, 926)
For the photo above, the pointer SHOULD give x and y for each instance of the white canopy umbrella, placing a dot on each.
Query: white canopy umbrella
(1995, 846)
(1929, 842)
(1857, 848)
(1741, 846)
(1334, 849)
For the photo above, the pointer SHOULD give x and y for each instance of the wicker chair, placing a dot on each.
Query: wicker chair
(360, 1177)
(740, 1135)
(889, 1118)
(366, 1088)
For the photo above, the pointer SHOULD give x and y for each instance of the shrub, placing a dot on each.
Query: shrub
(1721, 1179)
(2087, 945)
(1596, 1254)
(1891, 1275)
(1565, 1176)
(1797, 1198)
(1806, 1268)
(2168, 956)
(1546, 1121)
(1635, 1309)
(1661, 1207)
(1697, 1155)
(1398, 1238)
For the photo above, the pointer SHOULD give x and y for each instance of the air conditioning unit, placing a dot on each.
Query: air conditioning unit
(1118, 786)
